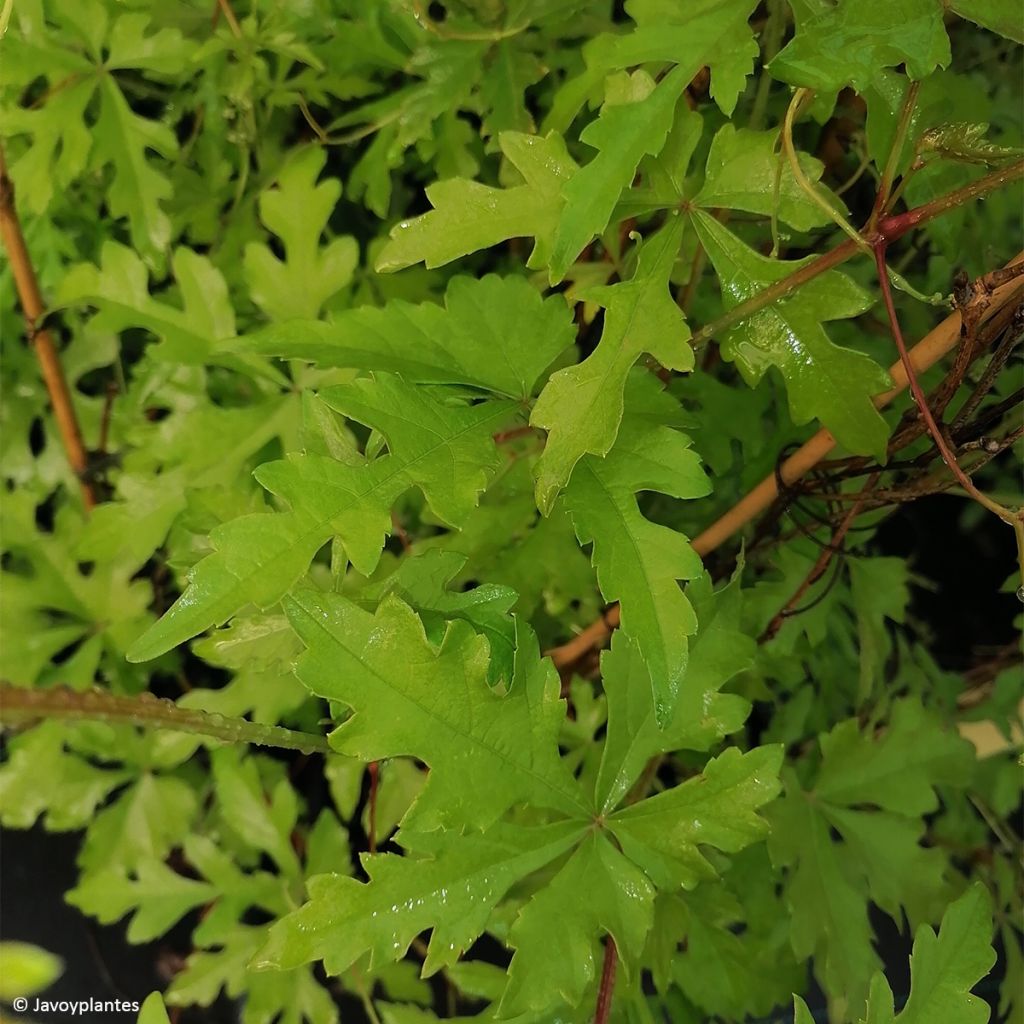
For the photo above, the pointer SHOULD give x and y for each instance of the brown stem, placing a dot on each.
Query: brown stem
(49, 362)
(928, 351)
(604, 993)
(819, 567)
(224, 7)
(892, 228)
(889, 230)
(1014, 519)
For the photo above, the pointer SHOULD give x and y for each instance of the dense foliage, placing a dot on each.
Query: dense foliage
(412, 343)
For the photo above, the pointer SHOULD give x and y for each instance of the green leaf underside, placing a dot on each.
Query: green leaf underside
(823, 380)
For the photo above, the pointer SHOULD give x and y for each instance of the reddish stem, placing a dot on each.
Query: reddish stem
(604, 993)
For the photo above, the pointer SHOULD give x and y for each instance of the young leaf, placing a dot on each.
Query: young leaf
(639, 563)
(468, 216)
(631, 126)
(297, 211)
(581, 406)
(823, 380)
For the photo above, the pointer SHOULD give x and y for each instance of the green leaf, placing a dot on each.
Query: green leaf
(870, 792)
(244, 806)
(451, 888)
(741, 170)
(468, 216)
(119, 289)
(444, 448)
(556, 934)
(1002, 16)
(896, 771)
(153, 1010)
(847, 43)
(712, 33)
(159, 896)
(581, 406)
(638, 562)
(823, 380)
(634, 122)
(944, 968)
(41, 778)
(297, 211)
(702, 716)
(495, 333)
(26, 969)
(487, 752)
(423, 582)
(663, 833)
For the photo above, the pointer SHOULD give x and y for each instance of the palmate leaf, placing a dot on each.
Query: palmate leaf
(581, 406)
(701, 717)
(297, 211)
(119, 289)
(740, 175)
(634, 122)
(468, 216)
(454, 889)
(486, 751)
(823, 380)
(871, 793)
(639, 563)
(848, 43)
(444, 448)
(944, 968)
(495, 333)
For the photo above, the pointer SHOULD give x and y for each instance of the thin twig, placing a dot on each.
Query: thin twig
(819, 567)
(19, 706)
(607, 987)
(49, 362)
(928, 351)
(1013, 519)
(906, 116)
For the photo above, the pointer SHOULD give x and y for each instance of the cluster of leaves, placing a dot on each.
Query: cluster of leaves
(333, 492)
